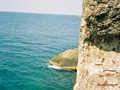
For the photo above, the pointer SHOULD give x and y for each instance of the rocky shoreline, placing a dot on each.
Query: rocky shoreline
(66, 60)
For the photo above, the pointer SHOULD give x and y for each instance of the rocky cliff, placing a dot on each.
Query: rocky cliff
(99, 49)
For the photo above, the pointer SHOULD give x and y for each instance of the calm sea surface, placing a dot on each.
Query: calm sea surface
(27, 42)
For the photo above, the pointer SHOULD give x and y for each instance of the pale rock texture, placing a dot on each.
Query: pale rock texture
(99, 50)
(66, 60)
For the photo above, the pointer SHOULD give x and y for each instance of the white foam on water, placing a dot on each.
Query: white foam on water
(54, 67)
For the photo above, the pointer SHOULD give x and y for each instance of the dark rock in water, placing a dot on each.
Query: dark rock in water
(66, 60)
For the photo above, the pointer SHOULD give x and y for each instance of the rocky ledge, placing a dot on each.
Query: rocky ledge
(66, 60)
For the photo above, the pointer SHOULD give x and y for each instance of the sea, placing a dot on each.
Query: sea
(27, 42)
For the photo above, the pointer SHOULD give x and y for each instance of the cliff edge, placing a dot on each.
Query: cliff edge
(99, 50)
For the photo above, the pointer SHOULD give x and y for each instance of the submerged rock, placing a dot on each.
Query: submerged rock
(66, 60)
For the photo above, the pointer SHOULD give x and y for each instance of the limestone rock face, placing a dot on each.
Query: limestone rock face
(66, 60)
(99, 49)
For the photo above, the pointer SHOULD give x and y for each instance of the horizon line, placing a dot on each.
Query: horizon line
(40, 13)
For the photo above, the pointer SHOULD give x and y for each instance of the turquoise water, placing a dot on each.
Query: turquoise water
(27, 42)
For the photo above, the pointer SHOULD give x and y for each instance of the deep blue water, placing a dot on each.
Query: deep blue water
(27, 42)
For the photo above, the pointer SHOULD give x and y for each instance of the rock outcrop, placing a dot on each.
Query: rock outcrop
(66, 60)
(99, 50)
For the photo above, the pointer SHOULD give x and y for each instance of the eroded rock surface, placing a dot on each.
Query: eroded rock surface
(66, 60)
(99, 50)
